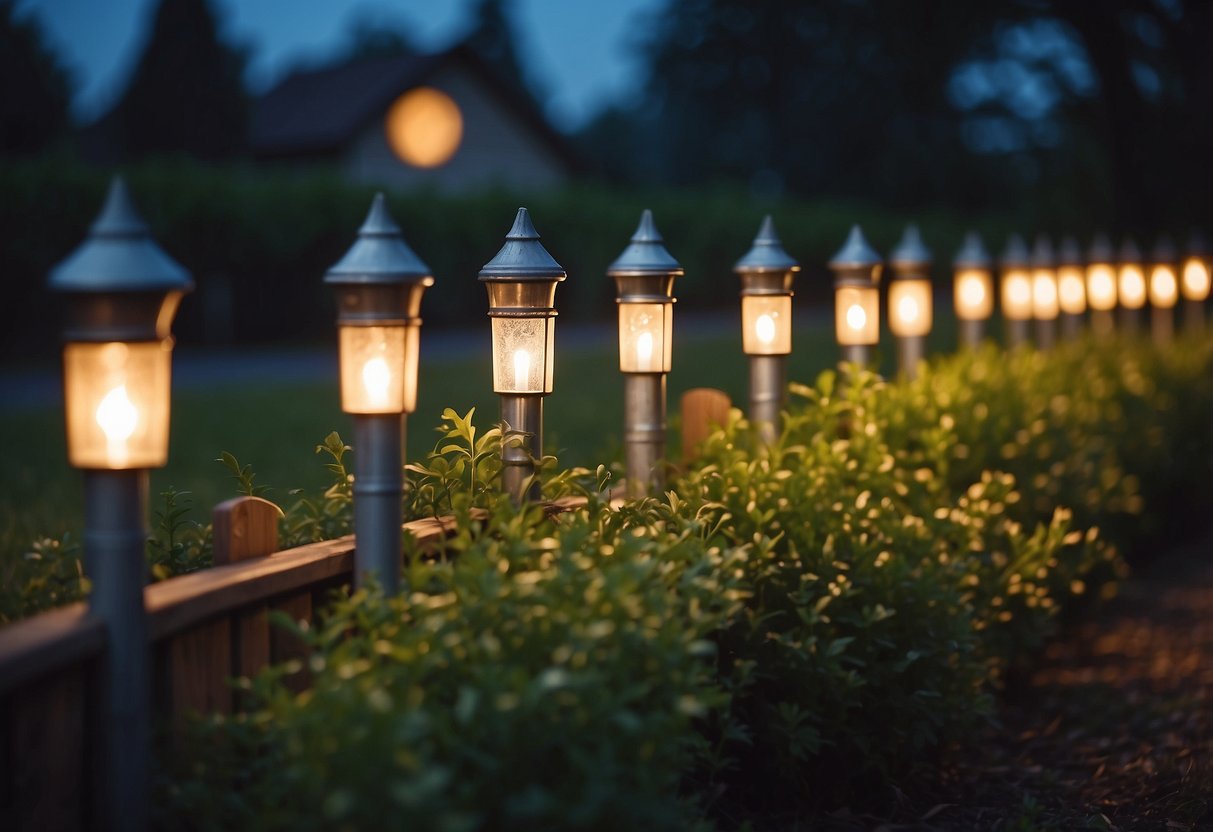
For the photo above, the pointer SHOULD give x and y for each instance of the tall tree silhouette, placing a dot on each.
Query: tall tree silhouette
(33, 86)
(187, 93)
(494, 39)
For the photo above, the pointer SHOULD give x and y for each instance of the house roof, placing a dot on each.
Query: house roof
(315, 112)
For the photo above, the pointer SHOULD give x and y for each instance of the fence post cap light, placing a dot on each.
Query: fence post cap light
(910, 254)
(522, 257)
(972, 254)
(379, 255)
(767, 256)
(1015, 255)
(856, 255)
(119, 256)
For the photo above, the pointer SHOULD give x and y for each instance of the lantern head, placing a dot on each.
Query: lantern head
(521, 282)
(1101, 275)
(1016, 295)
(1071, 278)
(910, 286)
(1131, 287)
(766, 272)
(379, 283)
(123, 292)
(856, 269)
(644, 279)
(974, 285)
(1044, 280)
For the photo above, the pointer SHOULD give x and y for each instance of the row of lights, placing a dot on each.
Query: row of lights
(1036, 286)
(123, 292)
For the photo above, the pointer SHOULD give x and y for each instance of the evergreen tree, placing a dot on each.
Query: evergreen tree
(187, 92)
(33, 87)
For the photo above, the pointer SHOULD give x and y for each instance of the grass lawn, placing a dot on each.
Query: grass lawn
(275, 426)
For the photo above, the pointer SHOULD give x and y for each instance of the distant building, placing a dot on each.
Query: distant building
(443, 120)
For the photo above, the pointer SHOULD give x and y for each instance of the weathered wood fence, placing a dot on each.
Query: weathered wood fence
(205, 629)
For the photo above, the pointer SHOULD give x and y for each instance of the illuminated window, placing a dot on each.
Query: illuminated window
(424, 127)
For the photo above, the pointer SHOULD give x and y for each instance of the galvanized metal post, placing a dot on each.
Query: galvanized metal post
(972, 333)
(115, 539)
(768, 381)
(1071, 326)
(1103, 322)
(644, 428)
(1194, 316)
(522, 446)
(378, 499)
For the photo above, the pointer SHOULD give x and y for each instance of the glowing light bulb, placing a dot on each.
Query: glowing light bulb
(856, 317)
(764, 328)
(644, 348)
(1132, 287)
(522, 369)
(1196, 280)
(1019, 292)
(1101, 287)
(117, 417)
(376, 378)
(907, 308)
(1163, 287)
(1044, 291)
(1072, 293)
(972, 293)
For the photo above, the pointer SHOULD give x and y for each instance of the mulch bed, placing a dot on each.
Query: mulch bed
(1111, 730)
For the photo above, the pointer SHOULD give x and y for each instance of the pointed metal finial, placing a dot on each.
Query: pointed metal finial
(522, 257)
(855, 252)
(646, 253)
(1101, 250)
(972, 254)
(1016, 254)
(1129, 252)
(1069, 253)
(910, 251)
(766, 253)
(1042, 253)
(379, 255)
(119, 254)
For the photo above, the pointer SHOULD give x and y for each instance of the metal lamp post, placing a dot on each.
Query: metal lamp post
(1044, 293)
(1101, 285)
(766, 272)
(856, 269)
(910, 300)
(378, 284)
(1163, 291)
(1071, 288)
(1196, 283)
(123, 292)
(521, 282)
(1130, 286)
(644, 278)
(1016, 291)
(973, 290)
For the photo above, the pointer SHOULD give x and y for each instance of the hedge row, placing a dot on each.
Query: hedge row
(258, 241)
(779, 631)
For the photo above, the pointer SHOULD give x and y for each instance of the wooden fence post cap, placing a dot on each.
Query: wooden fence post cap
(245, 527)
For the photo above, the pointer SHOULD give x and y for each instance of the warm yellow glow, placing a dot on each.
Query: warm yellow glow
(376, 377)
(857, 315)
(1016, 295)
(117, 397)
(973, 297)
(424, 127)
(522, 355)
(644, 343)
(1196, 279)
(1071, 290)
(378, 368)
(1044, 295)
(1131, 286)
(764, 328)
(1164, 289)
(766, 324)
(910, 307)
(1101, 287)
(522, 367)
